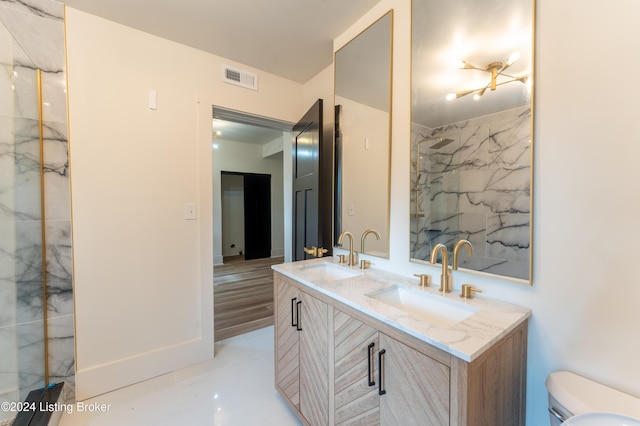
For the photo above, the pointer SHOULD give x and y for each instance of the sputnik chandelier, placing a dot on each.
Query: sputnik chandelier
(496, 69)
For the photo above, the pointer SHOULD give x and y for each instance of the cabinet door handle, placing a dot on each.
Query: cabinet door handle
(294, 317)
(381, 387)
(370, 364)
(298, 326)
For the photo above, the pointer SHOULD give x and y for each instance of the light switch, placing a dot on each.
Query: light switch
(153, 99)
(190, 212)
(366, 143)
(352, 210)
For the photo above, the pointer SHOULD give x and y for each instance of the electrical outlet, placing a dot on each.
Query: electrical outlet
(190, 211)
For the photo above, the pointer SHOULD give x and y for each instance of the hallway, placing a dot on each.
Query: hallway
(243, 295)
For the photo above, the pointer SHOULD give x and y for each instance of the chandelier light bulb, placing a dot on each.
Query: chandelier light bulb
(512, 58)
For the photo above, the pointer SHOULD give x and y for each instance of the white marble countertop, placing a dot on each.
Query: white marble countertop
(466, 339)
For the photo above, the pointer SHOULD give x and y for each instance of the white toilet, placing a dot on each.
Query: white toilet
(571, 395)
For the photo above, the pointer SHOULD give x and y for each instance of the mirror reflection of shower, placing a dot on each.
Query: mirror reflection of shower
(438, 143)
(434, 182)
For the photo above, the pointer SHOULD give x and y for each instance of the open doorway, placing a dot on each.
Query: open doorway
(246, 215)
(250, 145)
(252, 217)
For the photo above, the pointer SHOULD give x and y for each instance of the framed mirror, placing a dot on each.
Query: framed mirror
(471, 133)
(362, 137)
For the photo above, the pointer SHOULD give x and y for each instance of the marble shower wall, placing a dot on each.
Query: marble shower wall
(32, 37)
(477, 187)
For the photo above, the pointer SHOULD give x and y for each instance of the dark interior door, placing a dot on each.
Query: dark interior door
(257, 216)
(309, 185)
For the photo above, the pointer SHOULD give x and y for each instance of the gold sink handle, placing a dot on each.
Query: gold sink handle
(468, 290)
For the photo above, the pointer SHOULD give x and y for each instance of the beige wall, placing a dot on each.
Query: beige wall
(143, 274)
(584, 298)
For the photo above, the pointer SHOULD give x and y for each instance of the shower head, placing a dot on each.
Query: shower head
(441, 143)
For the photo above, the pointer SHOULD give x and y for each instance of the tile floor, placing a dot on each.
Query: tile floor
(235, 388)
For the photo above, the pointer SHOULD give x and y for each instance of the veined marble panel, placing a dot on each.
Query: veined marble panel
(20, 170)
(43, 8)
(56, 169)
(7, 170)
(473, 227)
(495, 191)
(28, 258)
(39, 30)
(59, 284)
(476, 188)
(511, 140)
(497, 266)
(508, 236)
(8, 291)
(6, 87)
(27, 199)
(30, 341)
(32, 37)
(61, 356)
(474, 152)
(25, 92)
(54, 97)
(6, 43)
(8, 361)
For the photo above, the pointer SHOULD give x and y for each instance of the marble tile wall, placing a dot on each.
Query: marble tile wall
(478, 188)
(32, 37)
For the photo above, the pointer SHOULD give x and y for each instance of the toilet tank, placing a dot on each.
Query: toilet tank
(571, 394)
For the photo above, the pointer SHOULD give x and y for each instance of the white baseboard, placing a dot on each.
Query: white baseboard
(279, 252)
(105, 378)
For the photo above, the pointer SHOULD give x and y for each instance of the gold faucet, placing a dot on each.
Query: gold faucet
(457, 248)
(353, 257)
(316, 251)
(364, 235)
(445, 281)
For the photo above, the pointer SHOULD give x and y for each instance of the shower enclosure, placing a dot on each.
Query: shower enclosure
(434, 192)
(471, 180)
(22, 254)
(36, 306)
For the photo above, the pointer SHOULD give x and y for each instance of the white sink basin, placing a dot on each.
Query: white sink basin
(329, 271)
(434, 308)
(601, 419)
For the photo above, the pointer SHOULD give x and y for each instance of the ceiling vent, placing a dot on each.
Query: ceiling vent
(240, 78)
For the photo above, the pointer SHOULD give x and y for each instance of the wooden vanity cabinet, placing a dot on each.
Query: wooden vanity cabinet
(356, 397)
(378, 375)
(301, 351)
(380, 381)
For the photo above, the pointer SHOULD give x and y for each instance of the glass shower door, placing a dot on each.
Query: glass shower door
(22, 291)
(435, 198)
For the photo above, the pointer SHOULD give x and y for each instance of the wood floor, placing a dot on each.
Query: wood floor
(243, 295)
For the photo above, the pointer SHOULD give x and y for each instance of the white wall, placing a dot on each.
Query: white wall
(586, 217)
(232, 156)
(320, 87)
(365, 173)
(232, 198)
(143, 274)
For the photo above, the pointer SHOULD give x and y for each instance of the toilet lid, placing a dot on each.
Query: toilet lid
(601, 419)
(580, 395)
